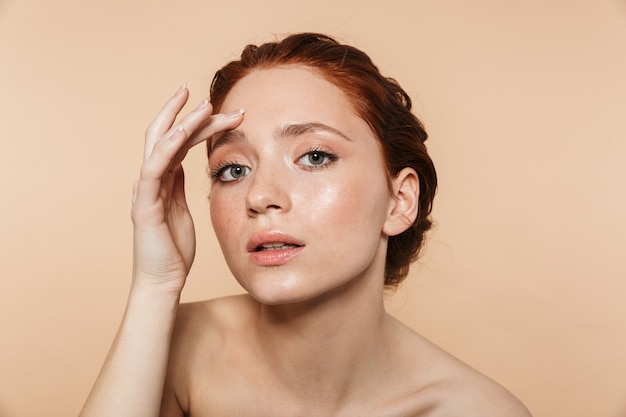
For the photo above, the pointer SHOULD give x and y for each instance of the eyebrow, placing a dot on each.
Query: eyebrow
(289, 130)
(230, 136)
(297, 129)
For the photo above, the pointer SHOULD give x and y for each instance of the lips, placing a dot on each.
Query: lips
(272, 240)
(273, 248)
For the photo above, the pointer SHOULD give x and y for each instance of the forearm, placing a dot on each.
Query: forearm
(132, 378)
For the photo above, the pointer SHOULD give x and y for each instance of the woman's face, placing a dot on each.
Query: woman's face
(299, 194)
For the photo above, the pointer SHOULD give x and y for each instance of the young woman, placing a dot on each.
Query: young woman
(321, 194)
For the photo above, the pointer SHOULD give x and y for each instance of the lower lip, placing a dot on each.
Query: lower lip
(274, 257)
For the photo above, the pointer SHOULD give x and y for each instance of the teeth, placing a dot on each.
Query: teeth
(275, 246)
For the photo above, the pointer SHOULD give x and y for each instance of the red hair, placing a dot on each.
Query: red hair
(379, 100)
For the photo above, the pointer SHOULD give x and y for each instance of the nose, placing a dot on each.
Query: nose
(268, 192)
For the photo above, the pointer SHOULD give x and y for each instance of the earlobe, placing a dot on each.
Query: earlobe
(404, 205)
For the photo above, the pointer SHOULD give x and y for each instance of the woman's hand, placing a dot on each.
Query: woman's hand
(132, 378)
(164, 236)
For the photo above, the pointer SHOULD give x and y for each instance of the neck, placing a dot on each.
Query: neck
(330, 348)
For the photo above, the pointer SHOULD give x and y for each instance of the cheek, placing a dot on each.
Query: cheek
(222, 217)
(350, 204)
(322, 199)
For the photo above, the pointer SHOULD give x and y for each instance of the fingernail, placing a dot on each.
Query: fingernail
(202, 105)
(235, 113)
(182, 88)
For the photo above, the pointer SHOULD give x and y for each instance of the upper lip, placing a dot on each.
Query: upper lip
(272, 236)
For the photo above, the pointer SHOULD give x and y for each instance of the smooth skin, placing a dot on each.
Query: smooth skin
(132, 378)
(311, 337)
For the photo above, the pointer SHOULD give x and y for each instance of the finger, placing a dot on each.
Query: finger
(153, 175)
(164, 120)
(170, 150)
(200, 115)
(178, 192)
(189, 123)
(160, 160)
(216, 124)
(135, 191)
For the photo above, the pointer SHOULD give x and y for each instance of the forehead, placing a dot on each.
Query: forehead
(285, 95)
(301, 89)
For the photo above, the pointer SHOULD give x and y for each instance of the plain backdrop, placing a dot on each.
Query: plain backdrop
(524, 276)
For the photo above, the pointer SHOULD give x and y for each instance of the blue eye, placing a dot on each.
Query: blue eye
(231, 173)
(317, 159)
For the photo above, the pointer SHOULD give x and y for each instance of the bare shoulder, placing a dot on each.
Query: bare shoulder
(450, 387)
(199, 335)
(202, 326)
(212, 314)
(477, 395)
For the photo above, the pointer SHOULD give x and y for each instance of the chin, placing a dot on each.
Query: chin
(277, 295)
(273, 290)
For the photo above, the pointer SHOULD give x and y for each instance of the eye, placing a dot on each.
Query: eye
(231, 172)
(317, 158)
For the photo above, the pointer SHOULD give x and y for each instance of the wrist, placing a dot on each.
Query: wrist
(151, 308)
(157, 285)
(144, 291)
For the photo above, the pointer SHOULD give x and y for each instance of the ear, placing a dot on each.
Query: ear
(404, 204)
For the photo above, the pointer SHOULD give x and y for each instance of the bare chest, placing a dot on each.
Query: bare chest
(237, 396)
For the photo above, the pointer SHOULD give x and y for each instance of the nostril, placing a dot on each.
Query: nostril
(266, 195)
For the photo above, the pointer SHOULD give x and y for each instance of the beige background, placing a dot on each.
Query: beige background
(524, 277)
